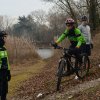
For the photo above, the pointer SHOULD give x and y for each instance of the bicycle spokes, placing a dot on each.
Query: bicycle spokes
(84, 67)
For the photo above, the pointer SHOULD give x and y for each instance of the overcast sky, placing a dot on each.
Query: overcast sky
(21, 7)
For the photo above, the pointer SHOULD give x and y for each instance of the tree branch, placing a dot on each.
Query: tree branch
(62, 8)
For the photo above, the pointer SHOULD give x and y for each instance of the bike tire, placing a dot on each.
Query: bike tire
(61, 68)
(86, 65)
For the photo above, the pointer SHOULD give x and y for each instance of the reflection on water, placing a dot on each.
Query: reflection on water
(45, 53)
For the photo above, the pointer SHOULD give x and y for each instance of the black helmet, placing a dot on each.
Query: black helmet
(84, 18)
(3, 34)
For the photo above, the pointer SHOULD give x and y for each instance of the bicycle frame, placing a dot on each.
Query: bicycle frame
(67, 57)
(76, 68)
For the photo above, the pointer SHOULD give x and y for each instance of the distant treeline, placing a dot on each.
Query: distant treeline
(40, 26)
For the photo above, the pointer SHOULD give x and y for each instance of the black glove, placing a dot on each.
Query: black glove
(54, 45)
(91, 46)
(8, 75)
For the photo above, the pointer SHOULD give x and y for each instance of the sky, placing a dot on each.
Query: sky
(15, 8)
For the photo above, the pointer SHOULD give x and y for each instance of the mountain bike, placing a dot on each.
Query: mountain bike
(80, 65)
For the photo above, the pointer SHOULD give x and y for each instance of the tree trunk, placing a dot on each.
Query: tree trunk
(93, 15)
(71, 11)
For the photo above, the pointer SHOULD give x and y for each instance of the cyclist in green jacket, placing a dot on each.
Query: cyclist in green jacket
(75, 37)
(5, 75)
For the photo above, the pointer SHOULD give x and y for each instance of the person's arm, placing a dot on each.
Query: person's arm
(0, 60)
(80, 38)
(80, 28)
(90, 39)
(8, 63)
(89, 36)
(62, 37)
(8, 72)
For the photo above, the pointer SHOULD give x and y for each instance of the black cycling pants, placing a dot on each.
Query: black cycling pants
(76, 52)
(3, 84)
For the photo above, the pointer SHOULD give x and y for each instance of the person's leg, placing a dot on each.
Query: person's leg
(0, 84)
(3, 85)
(4, 90)
(77, 53)
(88, 50)
(69, 69)
(70, 52)
(3, 97)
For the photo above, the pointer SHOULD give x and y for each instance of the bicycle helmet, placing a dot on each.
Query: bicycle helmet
(84, 18)
(3, 34)
(69, 21)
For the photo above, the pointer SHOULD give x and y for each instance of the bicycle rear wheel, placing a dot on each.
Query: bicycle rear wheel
(83, 66)
(61, 70)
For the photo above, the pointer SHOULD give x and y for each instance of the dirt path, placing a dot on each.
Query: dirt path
(91, 82)
(74, 90)
(23, 73)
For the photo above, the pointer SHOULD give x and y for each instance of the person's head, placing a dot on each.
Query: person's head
(70, 23)
(3, 34)
(84, 20)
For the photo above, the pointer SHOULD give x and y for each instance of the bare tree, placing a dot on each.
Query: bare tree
(6, 23)
(1, 23)
(66, 6)
(56, 20)
(39, 16)
(79, 8)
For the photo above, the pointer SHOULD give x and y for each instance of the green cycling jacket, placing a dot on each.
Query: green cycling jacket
(4, 59)
(75, 36)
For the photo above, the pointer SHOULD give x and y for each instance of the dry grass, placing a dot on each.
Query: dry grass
(24, 61)
(20, 49)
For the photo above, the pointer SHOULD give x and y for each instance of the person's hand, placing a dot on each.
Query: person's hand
(54, 44)
(77, 49)
(8, 75)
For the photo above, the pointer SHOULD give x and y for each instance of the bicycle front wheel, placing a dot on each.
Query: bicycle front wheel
(61, 69)
(83, 67)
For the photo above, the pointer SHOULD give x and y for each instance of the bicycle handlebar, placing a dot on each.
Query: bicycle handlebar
(59, 47)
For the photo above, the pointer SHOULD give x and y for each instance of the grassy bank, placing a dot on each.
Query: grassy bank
(22, 73)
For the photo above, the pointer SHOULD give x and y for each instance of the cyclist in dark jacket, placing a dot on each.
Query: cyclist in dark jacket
(5, 75)
(75, 37)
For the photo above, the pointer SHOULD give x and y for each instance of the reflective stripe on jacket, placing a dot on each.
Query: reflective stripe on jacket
(4, 63)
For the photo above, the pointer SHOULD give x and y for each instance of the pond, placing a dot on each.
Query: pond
(45, 53)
